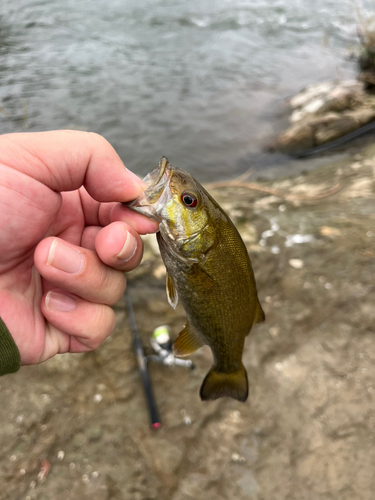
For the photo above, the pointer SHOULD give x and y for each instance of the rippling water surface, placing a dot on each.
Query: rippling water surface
(201, 82)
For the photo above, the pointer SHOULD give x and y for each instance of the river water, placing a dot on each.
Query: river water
(202, 82)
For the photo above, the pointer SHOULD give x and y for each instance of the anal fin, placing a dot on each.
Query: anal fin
(171, 292)
(187, 342)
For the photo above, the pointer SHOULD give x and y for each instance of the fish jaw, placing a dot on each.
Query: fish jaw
(152, 201)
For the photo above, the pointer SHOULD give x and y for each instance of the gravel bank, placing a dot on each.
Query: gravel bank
(307, 431)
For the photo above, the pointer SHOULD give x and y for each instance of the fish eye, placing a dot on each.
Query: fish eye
(189, 200)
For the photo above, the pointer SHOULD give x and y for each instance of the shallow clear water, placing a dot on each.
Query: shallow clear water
(201, 82)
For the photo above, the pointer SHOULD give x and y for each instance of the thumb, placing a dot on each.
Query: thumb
(67, 159)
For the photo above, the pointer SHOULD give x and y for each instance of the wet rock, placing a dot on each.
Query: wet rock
(297, 137)
(296, 263)
(323, 98)
(331, 232)
(368, 77)
(325, 112)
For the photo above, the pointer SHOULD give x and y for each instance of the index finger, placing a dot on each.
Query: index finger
(66, 160)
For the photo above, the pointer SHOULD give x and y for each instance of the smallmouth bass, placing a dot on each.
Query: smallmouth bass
(208, 270)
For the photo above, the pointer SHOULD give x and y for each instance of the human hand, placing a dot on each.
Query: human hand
(64, 241)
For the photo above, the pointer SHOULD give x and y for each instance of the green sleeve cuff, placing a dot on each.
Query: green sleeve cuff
(10, 359)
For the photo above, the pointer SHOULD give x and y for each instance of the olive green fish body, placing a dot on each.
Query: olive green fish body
(209, 271)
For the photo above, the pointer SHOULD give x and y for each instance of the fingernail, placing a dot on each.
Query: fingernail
(59, 302)
(129, 248)
(65, 258)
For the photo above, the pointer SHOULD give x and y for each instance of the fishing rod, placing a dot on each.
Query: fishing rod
(334, 144)
(142, 364)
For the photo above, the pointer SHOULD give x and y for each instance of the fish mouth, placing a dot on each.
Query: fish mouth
(154, 198)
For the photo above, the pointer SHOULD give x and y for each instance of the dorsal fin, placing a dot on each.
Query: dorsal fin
(187, 342)
(171, 291)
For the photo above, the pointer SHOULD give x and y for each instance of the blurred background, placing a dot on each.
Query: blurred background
(207, 83)
(203, 83)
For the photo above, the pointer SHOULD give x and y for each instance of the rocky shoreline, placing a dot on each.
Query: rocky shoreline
(323, 113)
(77, 427)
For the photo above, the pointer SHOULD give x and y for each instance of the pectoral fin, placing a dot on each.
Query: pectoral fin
(171, 292)
(187, 342)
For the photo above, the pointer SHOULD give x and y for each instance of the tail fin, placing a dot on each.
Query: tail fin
(218, 385)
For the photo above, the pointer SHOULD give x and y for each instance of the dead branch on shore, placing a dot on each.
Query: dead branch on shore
(238, 182)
